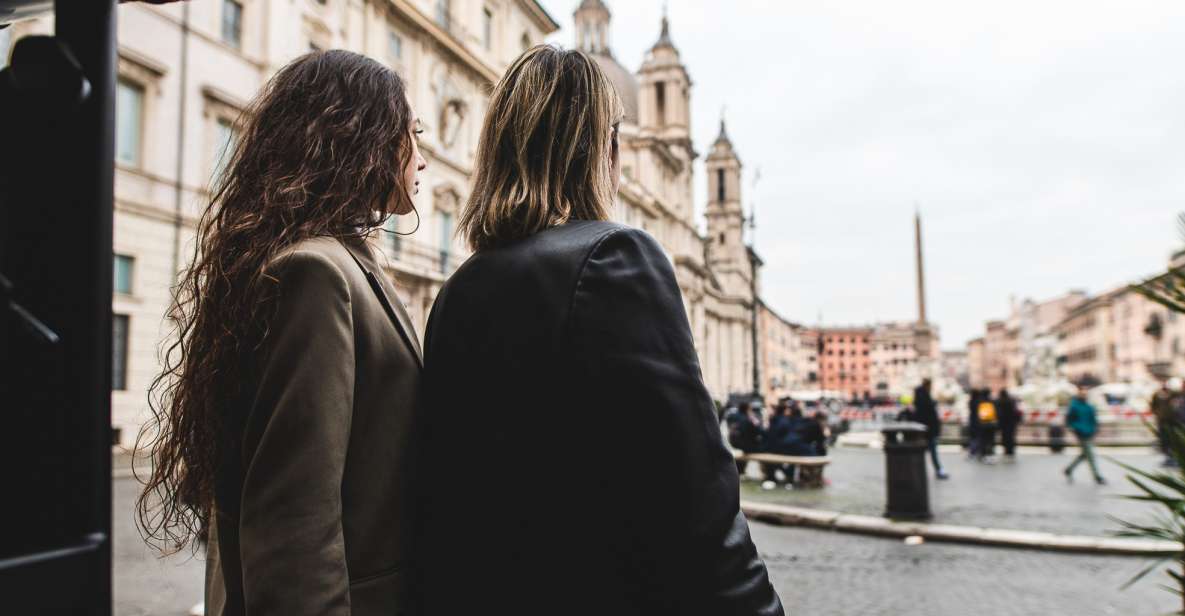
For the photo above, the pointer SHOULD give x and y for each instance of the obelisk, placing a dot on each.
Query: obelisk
(917, 222)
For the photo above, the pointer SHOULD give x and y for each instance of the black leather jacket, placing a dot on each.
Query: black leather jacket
(572, 461)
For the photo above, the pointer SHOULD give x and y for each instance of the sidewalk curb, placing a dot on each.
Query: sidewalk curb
(869, 525)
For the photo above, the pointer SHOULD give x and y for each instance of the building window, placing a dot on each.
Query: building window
(123, 274)
(394, 46)
(445, 220)
(392, 228)
(225, 139)
(720, 185)
(660, 99)
(442, 13)
(129, 122)
(119, 352)
(313, 47)
(5, 42)
(525, 42)
(487, 28)
(232, 23)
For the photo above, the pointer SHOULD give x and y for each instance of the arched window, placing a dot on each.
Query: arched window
(660, 97)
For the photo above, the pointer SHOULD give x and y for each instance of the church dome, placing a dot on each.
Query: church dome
(624, 81)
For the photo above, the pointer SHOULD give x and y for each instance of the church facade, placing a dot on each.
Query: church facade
(715, 269)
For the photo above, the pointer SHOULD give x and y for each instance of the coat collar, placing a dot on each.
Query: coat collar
(362, 255)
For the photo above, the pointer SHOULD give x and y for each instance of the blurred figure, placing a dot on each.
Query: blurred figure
(1163, 409)
(925, 412)
(1009, 419)
(1082, 419)
(745, 432)
(988, 424)
(815, 433)
(791, 434)
(973, 424)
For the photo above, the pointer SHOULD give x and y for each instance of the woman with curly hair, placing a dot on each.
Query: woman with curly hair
(283, 416)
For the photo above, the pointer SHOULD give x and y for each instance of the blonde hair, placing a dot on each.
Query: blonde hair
(546, 143)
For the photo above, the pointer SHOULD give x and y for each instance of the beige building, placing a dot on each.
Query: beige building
(186, 70)
(1118, 336)
(1013, 351)
(783, 369)
(976, 364)
(901, 355)
(715, 272)
(995, 356)
(808, 357)
(956, 368)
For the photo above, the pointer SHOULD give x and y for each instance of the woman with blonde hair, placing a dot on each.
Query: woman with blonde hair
(561, 379)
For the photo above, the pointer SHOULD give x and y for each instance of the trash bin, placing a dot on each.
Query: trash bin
(906, 483)
(1057, 438)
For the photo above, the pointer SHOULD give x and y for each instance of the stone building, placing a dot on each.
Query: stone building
(976, 364)
(901, 354)
(783, 369)
(956, 369)
(1011, 348)
(716, 271)
(1118, 337)
(186, 70)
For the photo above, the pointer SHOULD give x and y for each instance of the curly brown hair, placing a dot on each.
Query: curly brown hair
(322, 152)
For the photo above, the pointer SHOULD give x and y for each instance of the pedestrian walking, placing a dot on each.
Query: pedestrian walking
(926, 412)
(1082, 419)
(1163, 409)
(581, 513)
(1009, 418)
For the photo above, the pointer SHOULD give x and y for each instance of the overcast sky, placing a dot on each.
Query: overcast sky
(1043, 142)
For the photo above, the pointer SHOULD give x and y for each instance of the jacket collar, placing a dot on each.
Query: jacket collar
(362, 255)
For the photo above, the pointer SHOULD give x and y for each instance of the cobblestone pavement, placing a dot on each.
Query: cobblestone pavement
(146, 585)
(1028, 494)
(824, 573)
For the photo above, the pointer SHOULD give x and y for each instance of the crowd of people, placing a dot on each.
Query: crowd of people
(784, 431)
(988, 418)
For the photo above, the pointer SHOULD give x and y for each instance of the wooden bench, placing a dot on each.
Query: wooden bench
(810, 468)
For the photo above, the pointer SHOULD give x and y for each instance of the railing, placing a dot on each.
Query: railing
(418, 256)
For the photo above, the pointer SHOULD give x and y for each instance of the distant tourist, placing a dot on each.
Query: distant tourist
(790, 434)
(745, 432)
(988, 418)
(1163, 407)
(1082, 419)
(973, 424)
(1009, 418)
(814, 433)
(925, 412)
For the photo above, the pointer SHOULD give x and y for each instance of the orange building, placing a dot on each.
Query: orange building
(844, 360)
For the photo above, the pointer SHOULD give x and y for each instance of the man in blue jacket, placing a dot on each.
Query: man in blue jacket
(1083, 420)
